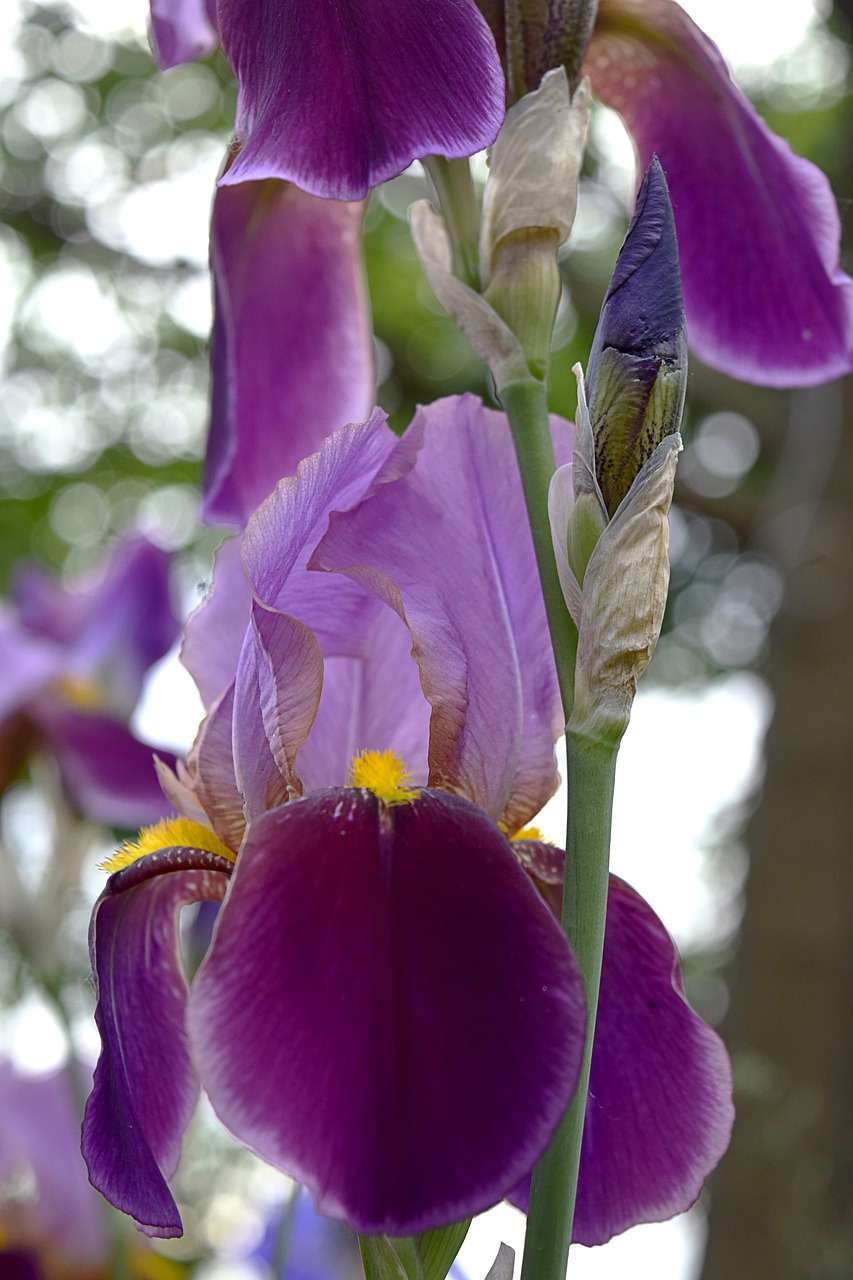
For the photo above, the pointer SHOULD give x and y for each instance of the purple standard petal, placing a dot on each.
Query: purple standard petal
(339, 99)
(449, 548)
(145, 1087)
(282, 533)
(757, 225)
(214, 633)
(109, 774)
(292, 353)
(182, 30)
(27, 664)
(660, 1111)
(387, 1012)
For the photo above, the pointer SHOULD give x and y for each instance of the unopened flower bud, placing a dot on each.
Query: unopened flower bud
(637, 371)
(533, 36)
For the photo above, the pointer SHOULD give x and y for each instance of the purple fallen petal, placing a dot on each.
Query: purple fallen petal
(660, 1108)
(387, 1011)
(145, 1087)
(292, 354)
(448, 546)
(181, 30)
(339, 99)
(758, 229)
(109, 774)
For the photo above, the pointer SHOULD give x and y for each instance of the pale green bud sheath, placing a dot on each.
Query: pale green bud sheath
(609, 522)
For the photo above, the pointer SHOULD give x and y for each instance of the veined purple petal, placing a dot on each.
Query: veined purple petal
(145, 1087)
(292, 356)
(212, 769)
(182, 30)
(276, 695)
(660, 1112)
(387, 1011)
(758, 229)
(109, 774)
(337, 99)
(449, 548)
(281, 534)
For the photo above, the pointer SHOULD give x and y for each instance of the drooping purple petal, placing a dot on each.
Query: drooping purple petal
(757, 226)
(660, 1112)
(449, 548)
(339, 99)
(109, 774)
(292, 354)
(145, 1087)
(182, 30)
(387, 1011)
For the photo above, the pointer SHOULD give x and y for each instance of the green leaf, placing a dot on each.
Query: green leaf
(424, 1257)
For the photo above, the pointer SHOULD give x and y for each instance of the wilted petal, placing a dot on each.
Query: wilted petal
(291, 350)
(182, 30)
(449, 548)
(109, 774)
(660, 1112)
(337, 100)
(211, 766)
(145, 1087)
(387, 1012)
(757, 226)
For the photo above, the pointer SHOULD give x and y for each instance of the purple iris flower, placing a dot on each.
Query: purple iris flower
(758, 230)
(292, 352)
(388, 1009)
(338, 100)
(73, 665)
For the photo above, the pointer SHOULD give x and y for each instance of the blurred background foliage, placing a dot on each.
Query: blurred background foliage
(106, 173)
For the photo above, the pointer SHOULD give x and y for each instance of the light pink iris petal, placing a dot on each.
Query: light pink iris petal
(758, 229)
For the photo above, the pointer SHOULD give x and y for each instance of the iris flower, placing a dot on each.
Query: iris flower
(72, 668)
(388, 1009)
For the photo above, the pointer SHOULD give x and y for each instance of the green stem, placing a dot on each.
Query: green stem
(526, 406)
(460, 206)
(591, 773)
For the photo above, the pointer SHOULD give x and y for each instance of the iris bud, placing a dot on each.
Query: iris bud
(637, 371)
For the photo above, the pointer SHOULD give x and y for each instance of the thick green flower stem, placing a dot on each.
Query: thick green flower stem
(526, 407)
(460, 205)
(591, 772)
